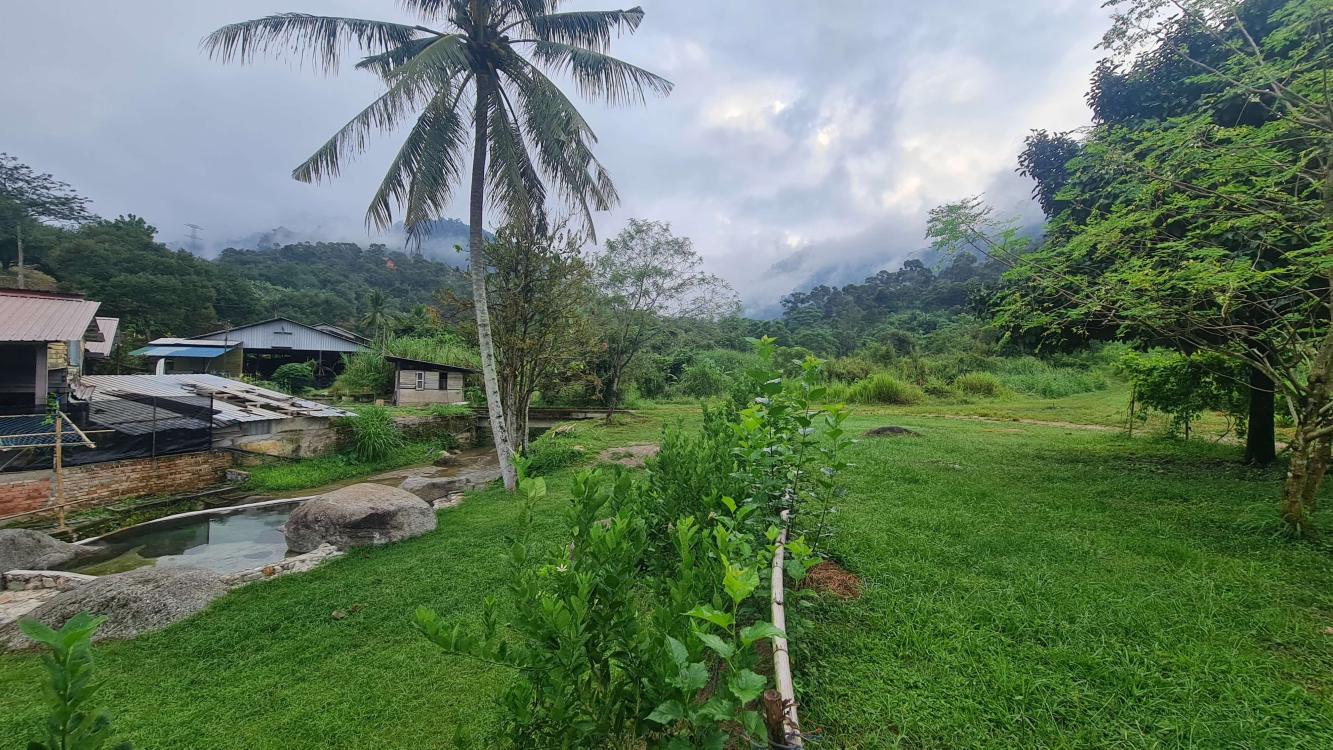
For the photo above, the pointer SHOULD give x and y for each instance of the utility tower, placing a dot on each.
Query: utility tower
(194, 237)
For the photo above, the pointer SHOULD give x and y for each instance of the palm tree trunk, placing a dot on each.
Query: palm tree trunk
(477, 267)
(18, 236)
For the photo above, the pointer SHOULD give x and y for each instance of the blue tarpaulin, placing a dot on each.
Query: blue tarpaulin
(162, 350)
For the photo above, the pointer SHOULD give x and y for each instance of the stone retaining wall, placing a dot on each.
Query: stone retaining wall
(298, 564)
(32, 580)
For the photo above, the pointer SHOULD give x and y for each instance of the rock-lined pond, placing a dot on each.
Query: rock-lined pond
(224, 541)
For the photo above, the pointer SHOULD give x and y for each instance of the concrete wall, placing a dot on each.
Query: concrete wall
(296, 437)
(99, 484)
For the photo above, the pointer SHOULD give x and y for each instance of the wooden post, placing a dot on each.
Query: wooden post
(775, 720)
(60, 488)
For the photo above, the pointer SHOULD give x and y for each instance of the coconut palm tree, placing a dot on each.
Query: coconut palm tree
(376, 318)
(487, 61)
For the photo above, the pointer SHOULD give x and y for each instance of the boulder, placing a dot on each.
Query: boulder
(25, 549)
(431, 489)
(356, 516)
(135, 602)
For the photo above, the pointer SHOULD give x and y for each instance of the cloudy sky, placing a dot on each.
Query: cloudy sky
(804, 140)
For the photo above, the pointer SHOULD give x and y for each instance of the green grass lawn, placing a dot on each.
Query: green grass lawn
(1024, 586)
(1028, 586)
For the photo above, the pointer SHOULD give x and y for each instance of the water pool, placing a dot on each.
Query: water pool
(225, 540)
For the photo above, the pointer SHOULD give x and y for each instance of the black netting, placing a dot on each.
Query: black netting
(139, 427)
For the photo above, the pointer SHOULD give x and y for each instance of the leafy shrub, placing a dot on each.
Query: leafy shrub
(374, 435)
(73, 724)
(850, 369)
(1184, 387)
(979, 384)
(641, 629)
(550, 452)
(883, 388)
(703, 378)
(295, 377)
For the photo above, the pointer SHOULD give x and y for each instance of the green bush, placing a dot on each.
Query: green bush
(1037, 378)
(550, 452)
(364, 373)
(449, 410)
(939, 388)
(703, 378)
(979, 384)
(295, 377)
(883, 388)
(375, 437)
(849, 369)
(837, 392)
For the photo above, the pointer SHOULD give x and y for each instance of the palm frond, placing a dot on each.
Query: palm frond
(560, 139)
(319, 39)
(589, 29)
(512, 178)
(385, 63)
(403, 98)
(427, 166)
(598, 75)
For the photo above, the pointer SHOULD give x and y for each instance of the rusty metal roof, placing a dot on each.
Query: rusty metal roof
(27, 315)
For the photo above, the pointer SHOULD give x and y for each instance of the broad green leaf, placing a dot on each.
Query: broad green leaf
(679, 653)
(711, 614)
(721, 647)
(762, 629)
(746, 685)
(667, 712)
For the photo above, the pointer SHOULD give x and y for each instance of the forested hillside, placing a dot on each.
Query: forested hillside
(157, 291)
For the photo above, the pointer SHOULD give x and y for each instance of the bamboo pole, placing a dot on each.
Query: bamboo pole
(791, 728)
(60, 487)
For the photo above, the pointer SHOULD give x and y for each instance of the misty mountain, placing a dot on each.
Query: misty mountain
(438, 242)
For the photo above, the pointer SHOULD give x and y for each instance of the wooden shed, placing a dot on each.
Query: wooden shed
(416, 382)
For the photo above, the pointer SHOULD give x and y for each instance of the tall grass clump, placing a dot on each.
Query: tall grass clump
(1037, 378)
(883, 388)
(375, 437)
(979, 384)
(441, 349)
(364, 373)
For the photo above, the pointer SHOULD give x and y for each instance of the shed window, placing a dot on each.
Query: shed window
(421, 381)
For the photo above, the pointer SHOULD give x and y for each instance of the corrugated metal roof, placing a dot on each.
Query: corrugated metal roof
(233, 401)
(109, 328)
(36, 316)
(284, 334)
(203, 352)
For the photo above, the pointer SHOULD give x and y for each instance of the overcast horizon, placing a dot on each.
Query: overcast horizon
(803, 141)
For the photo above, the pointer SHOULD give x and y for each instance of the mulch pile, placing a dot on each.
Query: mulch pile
(829, 577)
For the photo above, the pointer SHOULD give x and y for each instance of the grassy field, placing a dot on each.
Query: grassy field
(1024, 586)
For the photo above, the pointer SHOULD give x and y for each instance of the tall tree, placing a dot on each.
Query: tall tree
(540, 297)
(376, 318)
(1211, 228)
(483, 60)
(27, 196)
(644, 277)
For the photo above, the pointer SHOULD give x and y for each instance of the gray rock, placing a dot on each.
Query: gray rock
(25, 549)
(139, 601)
(358, 515)
(432, 488)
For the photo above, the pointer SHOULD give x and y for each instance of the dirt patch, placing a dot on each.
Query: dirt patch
(829, 577)
(890, 431)
(632, 456)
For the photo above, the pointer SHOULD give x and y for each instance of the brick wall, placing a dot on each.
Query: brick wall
(24, 491)
(98, 484)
